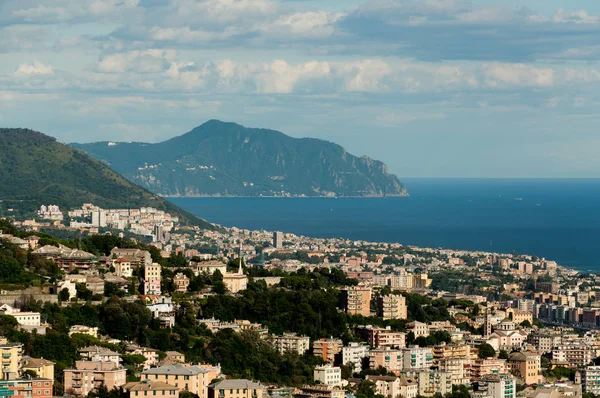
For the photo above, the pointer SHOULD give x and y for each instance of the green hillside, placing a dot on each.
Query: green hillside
(219, 158)
(36, 170)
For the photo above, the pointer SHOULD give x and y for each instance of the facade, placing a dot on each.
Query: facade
(26, 318)
(590, 379)
(136, 257)
(277, 240)
(482, 367)
(417, 358)
(354, 354)
(152, 276)
(320, 392)
(358, 300)
(122, 267)
(496, 386)
(419, 329)
(527, 366)
(11, 357)
(327, 348)
(150, 354)
(575, 355)
(390, 359)
(194, 379)
(153, 388)
(82, 329)
(236, 388)
(235, 281)
(27, 388)
(291, 342)
(89, 375)
(43, 368)
(181, 282)
(100, 354)
(328, 375)
(392, 307)
(393, 386)
(457, 367)
(432, 382)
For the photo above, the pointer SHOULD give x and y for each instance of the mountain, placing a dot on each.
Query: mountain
(35, 169)
(226, 159)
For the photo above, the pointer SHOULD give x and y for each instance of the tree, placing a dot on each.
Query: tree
(526, 324)
(219, 287)
(64, 295)
(486, 351)
(503, 354)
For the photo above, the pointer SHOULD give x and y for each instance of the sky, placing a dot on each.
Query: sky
(434, 88)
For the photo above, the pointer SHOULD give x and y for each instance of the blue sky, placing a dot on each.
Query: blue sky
(434, 88)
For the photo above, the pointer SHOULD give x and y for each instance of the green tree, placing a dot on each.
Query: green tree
(486, 351)
(64, 295)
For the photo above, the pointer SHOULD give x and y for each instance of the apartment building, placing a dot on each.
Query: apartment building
(444, 350)
(320, 392)
(147, 387)
(482, 367)
(590, 379)
(419, 329)
(82, 329)
(392, 307)
(236, 388)
(291, 342)
(459, 369)
(152, 277)
(574, 355)
(496, 386)
(328, 375)
(527, 366)
(90, 375)
(353, 354)
(417, 358)
(122, 267)
(11, 357)
(194, 379)
(395, 386)
(358, 300)
(378, 337)
(27, 388)
(432, 382)
(388, 358)
(150, 354)
(327, 349)
(544, 341)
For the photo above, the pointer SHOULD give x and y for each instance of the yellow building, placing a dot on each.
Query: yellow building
(151, 388)
(392, 307)
(235, 281)
(194, 379)
(518, 316)
(450, 351)
(43, 368)
(236, 388)
(527, 366)
(11, 357)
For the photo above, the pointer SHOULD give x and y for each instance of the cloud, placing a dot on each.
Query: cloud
(35, 68)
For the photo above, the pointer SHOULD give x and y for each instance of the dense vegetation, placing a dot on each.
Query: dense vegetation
(35, 169)
(220, 158)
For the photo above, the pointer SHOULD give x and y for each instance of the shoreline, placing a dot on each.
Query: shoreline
(283, 197)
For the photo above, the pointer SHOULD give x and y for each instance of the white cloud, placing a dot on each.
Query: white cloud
(499, 75)
(577, 17)
(35, 68)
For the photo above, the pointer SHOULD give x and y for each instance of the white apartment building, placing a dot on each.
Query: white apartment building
(291, 342)
(419, 329)
(496, 386)
(328, 375)
(353, 354)
(590, 379)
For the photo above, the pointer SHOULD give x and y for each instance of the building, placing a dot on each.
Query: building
(419, 329)
(392, 307)
(482, 367)
(544, 341)
(575, 355)
(90, 375)
(527, 366)
(27, 388)
(444, 350)
(417, 358)
(380, 337)
(236, 388)
(388, 358)
(358, 300)
(353, 355)
(327, 348)
(194, 379)
(11, 358)
(152, 277)
(208, 267)
(148, 387)
(100, 354)
(291, 342)
(496, 386)
(26, 318)
(42, 368)
(236, 281)
(328, 375)
(459, 369)
(150, 354)
(395, 386)
(122, 267)
(277, 240)
(320, 392)
(590, 379)
(82, 329)
(181, 282)
(432, 382)
(137, 257)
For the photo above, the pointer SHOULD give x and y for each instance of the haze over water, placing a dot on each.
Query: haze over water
(558, 219)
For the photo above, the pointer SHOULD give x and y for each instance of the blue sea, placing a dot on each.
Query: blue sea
(558, 219)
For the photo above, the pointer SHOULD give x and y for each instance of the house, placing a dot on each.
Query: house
(148, 387)
(41, 367)
(82, 329)
(90, 375)
(527, 366)
(194, 379)
(181, 282)
(236, 388)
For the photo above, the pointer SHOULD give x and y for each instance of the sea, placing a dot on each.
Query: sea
(558, 219)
